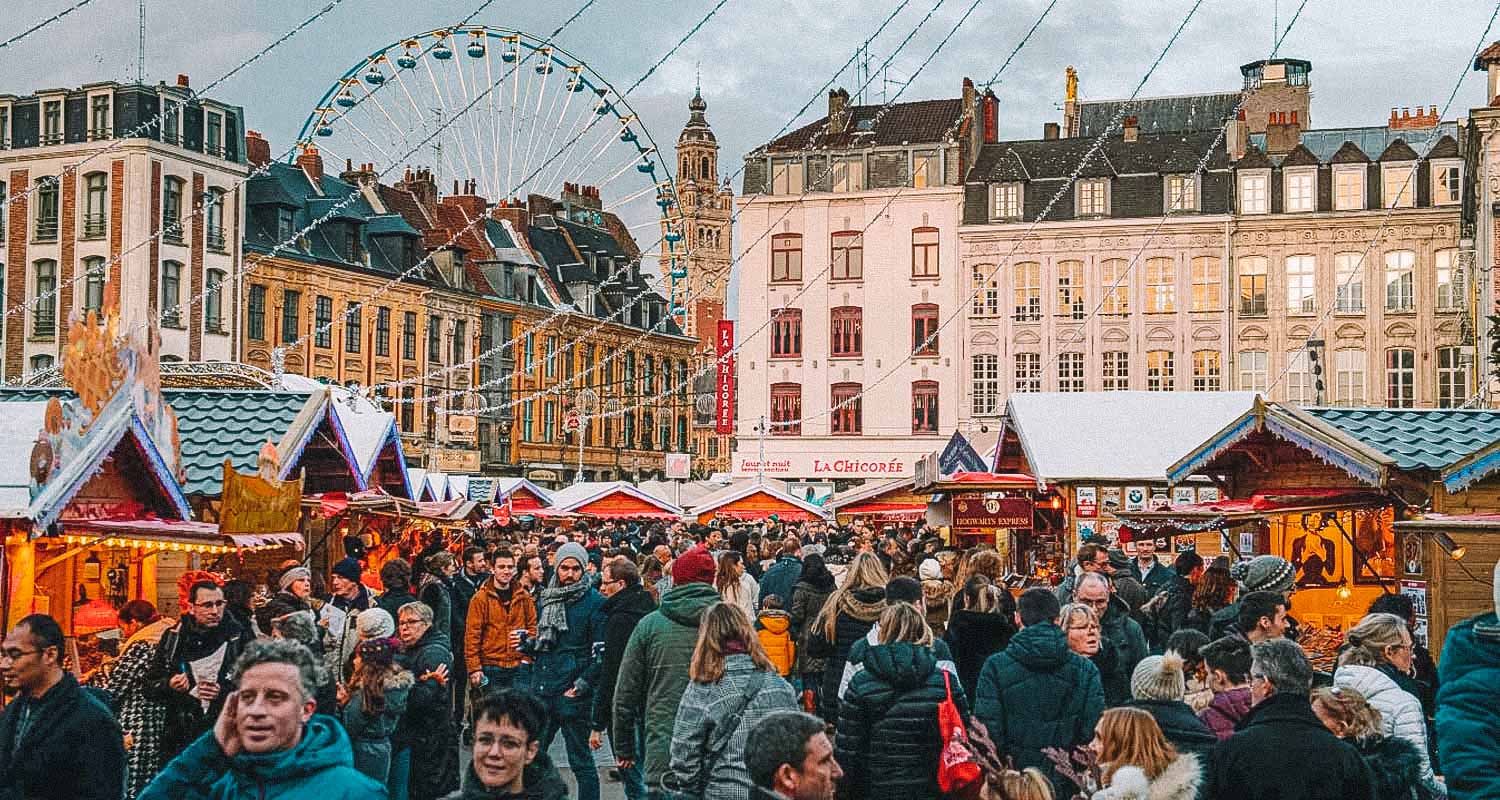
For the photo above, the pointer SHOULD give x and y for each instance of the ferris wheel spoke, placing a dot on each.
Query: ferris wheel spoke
(496, 102)
(469, 106)
(575, 133)
(529, 117)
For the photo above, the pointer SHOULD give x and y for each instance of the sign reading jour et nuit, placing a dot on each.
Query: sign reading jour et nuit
(973, 511)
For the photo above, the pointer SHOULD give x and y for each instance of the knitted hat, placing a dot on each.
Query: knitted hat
(694, 566)
(379, 652)
(292, 575)
(1264, 574)
(348, 569)
(1158, 678)
(375, 623)
(1118, 560)
(574, 551)
(930, 570)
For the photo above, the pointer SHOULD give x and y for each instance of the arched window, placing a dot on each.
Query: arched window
(703, 171)
(171, 209)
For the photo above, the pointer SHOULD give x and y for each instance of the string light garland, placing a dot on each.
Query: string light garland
(44, 23)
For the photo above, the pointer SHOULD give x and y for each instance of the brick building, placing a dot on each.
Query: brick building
(115, 207)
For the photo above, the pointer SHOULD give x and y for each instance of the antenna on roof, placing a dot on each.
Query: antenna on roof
(140, 56)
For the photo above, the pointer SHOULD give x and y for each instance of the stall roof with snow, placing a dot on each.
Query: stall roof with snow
(886, 501)
(613, 500)
(755, 500)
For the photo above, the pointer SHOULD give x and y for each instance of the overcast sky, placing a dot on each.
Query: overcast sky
(762, 59)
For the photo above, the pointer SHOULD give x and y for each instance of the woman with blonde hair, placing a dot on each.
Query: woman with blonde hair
(735, 584)
(1394, 764)
(887, 742)
(1376, 662)
(732, 686)
(1028, 784)
(845, 619)
(1137, 761)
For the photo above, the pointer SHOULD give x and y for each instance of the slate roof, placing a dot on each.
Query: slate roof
(1040, 159)
(1325, 143)
(1398, 150)
(1417, 438)
(919, 122)
(1191, 112)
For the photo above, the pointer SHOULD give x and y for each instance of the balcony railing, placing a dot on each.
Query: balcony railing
(44, 322)
(215, 239)
(94, 225)
(171, 230)
(46, 230)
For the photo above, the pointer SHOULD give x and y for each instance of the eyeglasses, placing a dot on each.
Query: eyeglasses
(1087, 627)
(15, 654)
(407, 623)
(1254, 678)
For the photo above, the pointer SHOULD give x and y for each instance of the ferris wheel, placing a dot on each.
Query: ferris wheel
(515, 114)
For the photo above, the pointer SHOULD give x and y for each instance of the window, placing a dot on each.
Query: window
(846, 332)
(713, 446)
(1301, 289)
(1116, 370)
(99, 117)
(95, 203)
(408, 409)
(46, 209)
(1450, 288)
(786, 409)
(460, 340)
(1447, 183)
(43, 362)
(986, 299)
(924, 253)
(290, 311)
(383, 331)
(93, 284)
(528, 415)
(1400, 378)
(1006, 200)
(1253, 286)
(1207, 371)
(1349, 377)
(1300, 190)
(4, 128)
(1092, 197)
(1028, 372)
(549, 422)
(1182, 193)
(1159, 371)
(848, 256)
(213, 212)
(1208, 284)
(213, 136)
(171, 293)
(984, 381)
(44, 288)
(4, 196)
(1253, 371)
(786, 333)
(786, 257)
(924, 407)
(171, 116)
(1300, 388)
(285, 225)
(845, 418)
(787, 176)
(1070, 372)
(924, 169)
(171, 210)
(1028, 292)
(1161, 286)
(924, 329)
(353, 326)
(849, 174)
(352, 252)
(409, 335)
(323, 321)
(1349, 287)
(1349, 188)
(1114, 277)
(1253, 193)
(1397, 184)
(1070, 289)
(1399, 282)
(528, 356)
(52, 122)
(213, 301)
(255, 317)
(1453, 378)
(435, 341)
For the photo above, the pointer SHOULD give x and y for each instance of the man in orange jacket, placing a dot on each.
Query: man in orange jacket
(498, 614)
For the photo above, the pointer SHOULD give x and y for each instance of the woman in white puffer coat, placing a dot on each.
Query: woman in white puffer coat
(1377, 654)
(1138, 763)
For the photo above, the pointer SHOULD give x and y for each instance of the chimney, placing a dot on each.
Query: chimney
(1237, 136)
(514, 212)
(991, 117)
(1050, 130)
(466, 197)
(182, 80)
(969, 100)
(838, 111)
(1283, 133)
(363, 175)
(257, 149)
(311, 163)
(1407, 121)
(1132, 128)
(419, 184)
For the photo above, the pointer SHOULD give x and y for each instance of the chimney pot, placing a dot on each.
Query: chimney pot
(257, 149)
(1050, 130)
(1132, 128)
(311, 162)
(182, 80)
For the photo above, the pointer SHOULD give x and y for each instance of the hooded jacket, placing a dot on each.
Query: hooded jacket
(974, 636)
(1225, 711)
(653, 676)
(540, 779)
(1395, 765)
(781, 579)
(622, 612)
(1036, 693)
(850, 625)
(321, 766)
(73, 749)
(701, 726)
(888, 741)
(776, 637)
(1181, 726)
(1400, 711)
(427, 725)
(1181, 780)
(1126, 643)
(1468, 720)
(369, 731)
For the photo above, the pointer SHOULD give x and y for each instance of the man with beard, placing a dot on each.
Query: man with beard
(564, 670)
(190, 673)
(626, 602)
(789, 756)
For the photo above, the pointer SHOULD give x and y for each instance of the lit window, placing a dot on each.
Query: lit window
(1092, 197)
(1161, 286)
(844, 415)
(1301, 285)
(1253, 193)
(1399, 281)
(1349, 287)
(1070, 289)
(1398, 185)
(1252, 286)
(1301, 190)
(1114, 279)
(1159, 371)
(986, 288)
(786, 176)
(924, 253)
(1349, 188)
(1182, 193)
(786, 257)
(1349, 378)
(1028, 292)
(1253, 371)
(1116, 370)
(984, 378)
(1208, 284)
(1070, 372)
(1028, 372)
(1207, 371)
(1005, 200)
(1400, 378)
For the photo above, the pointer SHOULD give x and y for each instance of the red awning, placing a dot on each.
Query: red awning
(990, 477)
(522, 501)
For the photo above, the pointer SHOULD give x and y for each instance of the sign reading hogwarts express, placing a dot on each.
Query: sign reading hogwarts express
(973, 511)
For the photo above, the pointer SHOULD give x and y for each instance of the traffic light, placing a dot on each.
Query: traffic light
(1315, 367)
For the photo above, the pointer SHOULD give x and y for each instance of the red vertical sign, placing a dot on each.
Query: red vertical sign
(724, 385)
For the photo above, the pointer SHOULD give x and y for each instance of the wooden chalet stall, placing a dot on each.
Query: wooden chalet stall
(880, 503)
(755, 500)
(1003, 510)
(613, 500)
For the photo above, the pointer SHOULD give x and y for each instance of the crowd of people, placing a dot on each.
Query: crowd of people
(794, 661)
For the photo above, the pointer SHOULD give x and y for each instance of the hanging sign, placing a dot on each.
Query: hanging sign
(724, 383)
(1087, 500)
(973, 511)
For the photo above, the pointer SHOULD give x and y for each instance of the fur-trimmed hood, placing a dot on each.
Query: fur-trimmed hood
(1179, 781)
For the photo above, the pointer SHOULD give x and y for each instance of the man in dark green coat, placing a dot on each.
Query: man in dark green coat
(1124, 643)
(1036, 693)
(654, 670)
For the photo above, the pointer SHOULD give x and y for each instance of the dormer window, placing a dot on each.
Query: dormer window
(1006, 200)
(1255, 192)
(213, 133)
(925, 169)
(1398, 184)
(1447, 182)
(171, 121)
(351, 244)
(849, 174)
(1091, 197)
(52, 122)
(1349, 188)
(1300, 190)
(786, 176)
(99, 117)
(1182, 193)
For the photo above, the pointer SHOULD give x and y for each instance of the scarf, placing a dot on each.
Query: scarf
(552, 621)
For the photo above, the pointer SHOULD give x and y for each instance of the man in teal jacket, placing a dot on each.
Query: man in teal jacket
(1468, 721)
(267, 742)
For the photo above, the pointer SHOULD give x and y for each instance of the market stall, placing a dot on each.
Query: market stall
(1005, 510)
(613, 500)
(880, 503)
(755, 500)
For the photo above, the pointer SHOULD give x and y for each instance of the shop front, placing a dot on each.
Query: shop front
(880, 504)
(1005, 511)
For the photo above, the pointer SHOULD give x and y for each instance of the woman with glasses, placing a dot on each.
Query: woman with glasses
(1377, 652)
